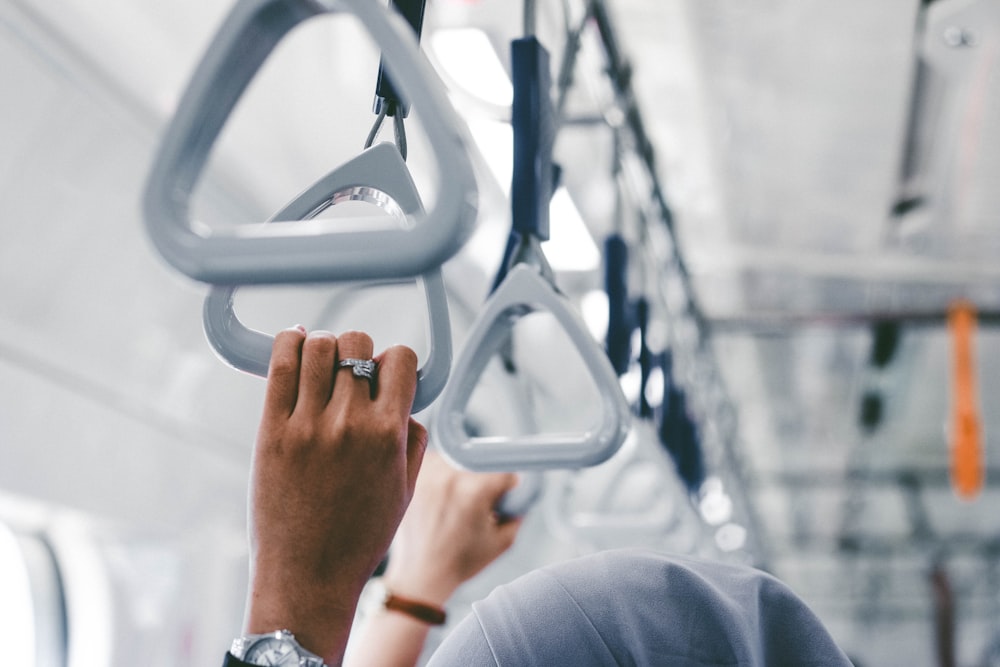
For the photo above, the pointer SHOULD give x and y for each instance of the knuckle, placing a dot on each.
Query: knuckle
(283, 366)
(344, 428)
(374, 431)
(386, 430)
(304, 432)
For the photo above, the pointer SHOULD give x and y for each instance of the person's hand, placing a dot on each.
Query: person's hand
(450, 532)
(333, 473)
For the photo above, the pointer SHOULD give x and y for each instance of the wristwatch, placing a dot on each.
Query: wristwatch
(277, 648)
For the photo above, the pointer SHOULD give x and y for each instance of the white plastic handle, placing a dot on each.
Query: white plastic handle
(522, 497)
(306, 251)
(641, 456)
(378, 174)
(524, 291)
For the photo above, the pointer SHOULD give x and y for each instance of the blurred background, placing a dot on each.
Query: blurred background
(805, 189)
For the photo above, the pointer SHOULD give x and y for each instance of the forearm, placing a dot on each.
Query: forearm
(389, 639)
(318, 610)
(396, 638)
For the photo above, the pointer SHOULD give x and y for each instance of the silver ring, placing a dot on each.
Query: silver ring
(362, 368)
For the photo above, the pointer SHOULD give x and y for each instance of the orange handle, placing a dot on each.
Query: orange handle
(966, 432)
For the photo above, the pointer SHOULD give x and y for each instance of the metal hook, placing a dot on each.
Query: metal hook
(373, 133)
(398, 126)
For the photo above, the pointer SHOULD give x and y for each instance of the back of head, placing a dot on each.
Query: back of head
(638, 607)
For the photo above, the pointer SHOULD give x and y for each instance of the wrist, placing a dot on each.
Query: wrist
(320, 617)
(428, 590)
(426, 614)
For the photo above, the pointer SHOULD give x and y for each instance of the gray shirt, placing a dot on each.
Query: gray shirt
(639, 607)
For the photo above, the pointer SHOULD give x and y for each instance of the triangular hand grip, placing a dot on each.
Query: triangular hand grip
(378, 175)
(308, 251)
(650, 517)
(524, 291)
(249, 350)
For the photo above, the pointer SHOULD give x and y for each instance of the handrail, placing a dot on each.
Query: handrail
(312, 251)
(527, 286)
(388, 185)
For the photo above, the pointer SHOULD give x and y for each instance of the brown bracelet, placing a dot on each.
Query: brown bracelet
(422, 612)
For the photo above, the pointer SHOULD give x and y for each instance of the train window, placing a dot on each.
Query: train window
(31, 604)
(16, 608)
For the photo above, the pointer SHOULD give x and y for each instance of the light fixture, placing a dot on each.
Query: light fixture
(715, 506)
(495, 141)
(731, 537)
(468, 60)
(572, 248)
(594, 309)
(654, 387)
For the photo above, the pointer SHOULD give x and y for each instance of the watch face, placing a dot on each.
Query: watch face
(272, 651)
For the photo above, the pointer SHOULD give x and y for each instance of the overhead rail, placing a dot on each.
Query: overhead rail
(307, 250)
(526, 285)
(380, 168)
(764, 323)
(689, 329)
(620, 73)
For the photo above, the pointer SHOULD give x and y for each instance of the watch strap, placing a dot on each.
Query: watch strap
(421, 611)
(232, 661)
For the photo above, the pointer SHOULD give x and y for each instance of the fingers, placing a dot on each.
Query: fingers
(492, 486)
(397, 380)
(416, 445)
(348, 389)
(283, 373)
(319, 353)
(507, 531)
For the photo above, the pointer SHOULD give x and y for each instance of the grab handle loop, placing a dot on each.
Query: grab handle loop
(525, 291)
(634, 496)
(526, 285)
(304, 251)
(387, 185)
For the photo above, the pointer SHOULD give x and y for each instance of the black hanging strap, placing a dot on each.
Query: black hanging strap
(386, 97)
